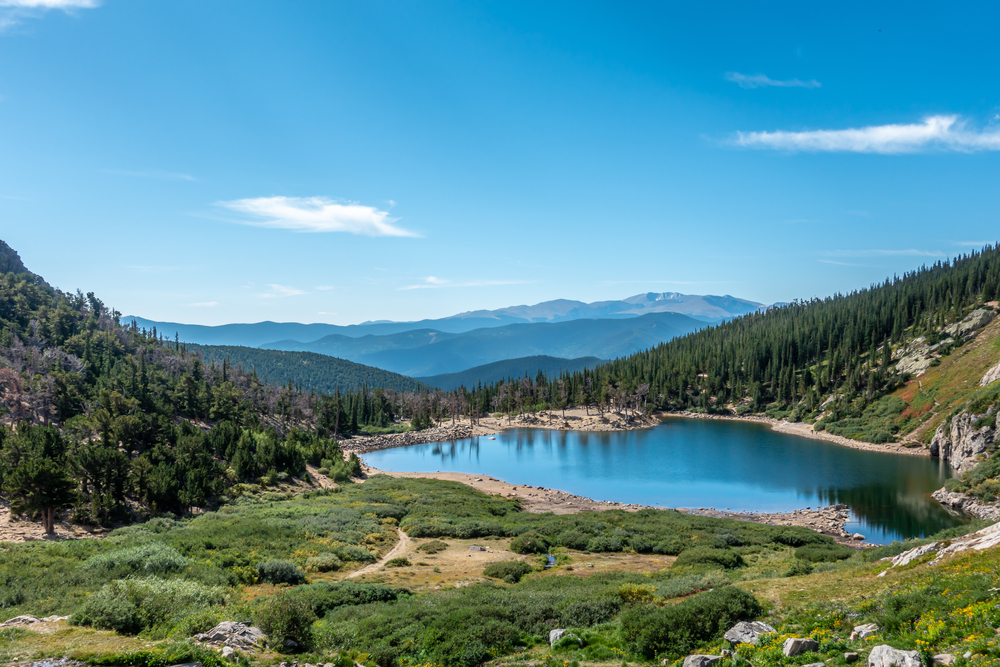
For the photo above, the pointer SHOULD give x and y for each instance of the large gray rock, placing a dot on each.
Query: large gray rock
(887, 656)
(972, 323)
(967, 504)
(961, 444)
(864, 631)
(701, 660)
(556, 635)
(746, 632)
(795, 645)
(991, 376)
(235, 635)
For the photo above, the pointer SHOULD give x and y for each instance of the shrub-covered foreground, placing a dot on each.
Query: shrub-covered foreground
(169, 578)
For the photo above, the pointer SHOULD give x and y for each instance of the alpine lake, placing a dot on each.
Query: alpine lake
(702, 463)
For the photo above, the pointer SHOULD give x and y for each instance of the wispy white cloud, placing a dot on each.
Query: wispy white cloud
(764, 81)
(432, 282)
(323, 312)
(830, 261)
(315, 214)
(973, 244)
(280, 291)
(13, 12)
(941, 133)
(205, 304)
(908, 252)
(158, 174)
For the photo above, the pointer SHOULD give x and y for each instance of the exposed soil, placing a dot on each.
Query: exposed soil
(397, 551)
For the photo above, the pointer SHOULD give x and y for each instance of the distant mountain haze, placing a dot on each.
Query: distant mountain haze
(510, 368)
(427, 352)
(707, 308)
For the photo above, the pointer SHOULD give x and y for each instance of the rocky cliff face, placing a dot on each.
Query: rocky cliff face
(961, 444)
(10, 261)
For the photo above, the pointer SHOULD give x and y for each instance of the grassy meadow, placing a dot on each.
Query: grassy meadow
(633, 587)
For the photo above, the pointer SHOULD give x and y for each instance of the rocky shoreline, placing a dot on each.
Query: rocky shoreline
(804, 430)
(967, 504)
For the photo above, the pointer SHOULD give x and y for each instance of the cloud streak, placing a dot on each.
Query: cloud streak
(908, 252)
(281, 291)
(432, 282)
(316, 215)
(749, 81)
(934, 133)
(13, 12)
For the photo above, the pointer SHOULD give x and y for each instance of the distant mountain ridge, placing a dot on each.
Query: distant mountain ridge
(707, 308)
(426, 352)
(510, 368)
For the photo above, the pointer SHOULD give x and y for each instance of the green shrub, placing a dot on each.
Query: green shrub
(798, 568)
(398, 562)
(509, 571)
(603, 543)
(130, 606)
(324, 562)
(725, 558)
(356, 553)
(675, 630)
(280, 572)
(530, 542)
(824, 553)
(149, 559)
(573, 539)
(324, 596)
(433, 547)
(286, 617)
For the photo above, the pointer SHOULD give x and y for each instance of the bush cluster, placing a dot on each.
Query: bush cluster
(130, 606)
(280, 572)
(674, 630)
(510, 571)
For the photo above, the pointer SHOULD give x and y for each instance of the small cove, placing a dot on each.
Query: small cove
(693, 463)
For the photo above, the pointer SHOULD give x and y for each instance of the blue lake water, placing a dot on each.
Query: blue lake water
(698, 463)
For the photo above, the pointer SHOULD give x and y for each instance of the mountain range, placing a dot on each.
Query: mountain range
(562, 328)
(706, 308)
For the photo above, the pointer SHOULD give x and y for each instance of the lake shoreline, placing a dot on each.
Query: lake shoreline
(804, 430)
(577, 419)
(828, 521)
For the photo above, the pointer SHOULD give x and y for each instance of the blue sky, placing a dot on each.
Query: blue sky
(212, 162)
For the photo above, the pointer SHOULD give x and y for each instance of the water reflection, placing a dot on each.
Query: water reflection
(701, 463)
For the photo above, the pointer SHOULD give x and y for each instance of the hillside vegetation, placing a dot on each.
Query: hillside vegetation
(306, 370)
(509, 370)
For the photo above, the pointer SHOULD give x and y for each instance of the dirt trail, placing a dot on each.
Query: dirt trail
(322, 481)
(398, 550)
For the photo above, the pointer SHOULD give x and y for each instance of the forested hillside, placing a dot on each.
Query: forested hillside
(510, 369)
(306, 370)
(837, 359)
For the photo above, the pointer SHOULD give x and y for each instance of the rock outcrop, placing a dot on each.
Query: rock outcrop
(961, 444)
(795, 645)
(234, 635)
(987, 538)
(887, 656)
(970, 324)
(747, 632)
(967, 504)
(701, 660)
(991, 376)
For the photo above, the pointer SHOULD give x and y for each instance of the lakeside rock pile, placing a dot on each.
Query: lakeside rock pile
(374, 443)
(967, 504)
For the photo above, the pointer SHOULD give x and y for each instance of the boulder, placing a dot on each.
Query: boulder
(887, 656)
(960, 443)
(556, 635)
(944, 659)
(747, 632)
(701, 660)
(866, 630)
(972, 323)
(235, 635)
(26, 619)
(991, 376)
(795, 645)
(850, 656)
